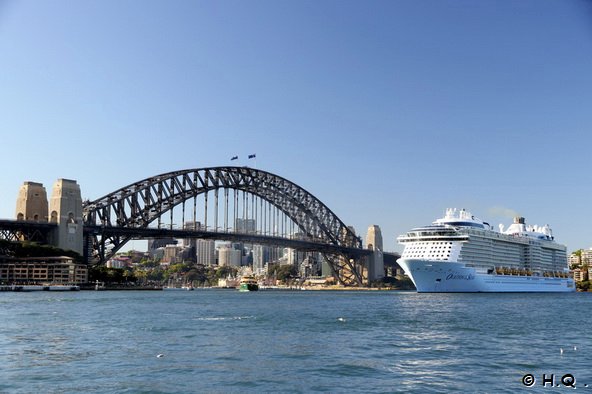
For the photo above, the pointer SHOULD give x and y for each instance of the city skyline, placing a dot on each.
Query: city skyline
(387, 112)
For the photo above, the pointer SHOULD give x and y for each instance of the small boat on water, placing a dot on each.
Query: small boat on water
(248, 283)
(185, 287)
(60, 287)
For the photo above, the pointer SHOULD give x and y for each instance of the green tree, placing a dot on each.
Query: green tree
(109, 275)
(224, 271)
(148, 263)
(33, 249)
(140, 275)
(285, 272)
(583, 285)
(156, 274)
(128, 275)
(211, 275)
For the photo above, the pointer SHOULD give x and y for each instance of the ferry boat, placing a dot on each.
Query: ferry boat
(248, 283)
(461, 253)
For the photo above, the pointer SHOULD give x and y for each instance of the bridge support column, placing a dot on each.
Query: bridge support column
(345, 269)
(376, 259)
(65, 209)
(31, 203)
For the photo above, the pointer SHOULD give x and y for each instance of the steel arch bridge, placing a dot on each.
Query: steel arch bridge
(271, 210)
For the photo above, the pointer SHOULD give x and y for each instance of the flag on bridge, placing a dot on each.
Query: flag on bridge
(234, 158)
(252, 156)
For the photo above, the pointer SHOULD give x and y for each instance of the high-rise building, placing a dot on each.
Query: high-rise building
(294, 256)
(310, 266)
(206, 252)
(376, 259)
(229, 257)
(245, 226)
(191, 226)
(265, 254)
(154, 244)
(258, 259)
(171, 255)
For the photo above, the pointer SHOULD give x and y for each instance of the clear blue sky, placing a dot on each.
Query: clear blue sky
(388, 111)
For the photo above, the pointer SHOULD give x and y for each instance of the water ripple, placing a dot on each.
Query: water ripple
(218, 341)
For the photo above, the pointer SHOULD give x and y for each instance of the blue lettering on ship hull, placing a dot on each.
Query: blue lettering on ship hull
(460, 277)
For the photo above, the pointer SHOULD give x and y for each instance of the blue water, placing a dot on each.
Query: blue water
(224, 341)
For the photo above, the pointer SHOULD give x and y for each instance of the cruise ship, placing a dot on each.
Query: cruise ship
(461, 253)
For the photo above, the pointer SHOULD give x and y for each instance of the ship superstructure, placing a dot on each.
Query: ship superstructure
(461, 253)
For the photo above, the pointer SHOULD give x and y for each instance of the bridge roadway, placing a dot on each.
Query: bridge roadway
(38, 232)
(14, 230)
(148, 232)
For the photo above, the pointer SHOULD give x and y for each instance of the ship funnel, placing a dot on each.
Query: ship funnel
(519, 220)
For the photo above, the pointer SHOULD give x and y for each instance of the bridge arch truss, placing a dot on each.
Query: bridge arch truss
(225, 203)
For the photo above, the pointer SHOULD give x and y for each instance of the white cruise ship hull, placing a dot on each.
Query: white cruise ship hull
(453, 277)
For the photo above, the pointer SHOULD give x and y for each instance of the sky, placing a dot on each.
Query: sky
(389, 112)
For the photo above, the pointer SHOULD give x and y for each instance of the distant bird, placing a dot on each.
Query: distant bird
(560, 350)
(575, 348)
(162, 355)
(341, 319)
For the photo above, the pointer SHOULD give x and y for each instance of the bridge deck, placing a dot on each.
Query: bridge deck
(7, 224)
(142, 233)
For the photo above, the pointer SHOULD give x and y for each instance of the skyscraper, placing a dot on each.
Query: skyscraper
(191, 226)
(229, 257)
(246, 226)
(206, 252)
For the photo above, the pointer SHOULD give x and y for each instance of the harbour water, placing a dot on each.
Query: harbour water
(225, 341)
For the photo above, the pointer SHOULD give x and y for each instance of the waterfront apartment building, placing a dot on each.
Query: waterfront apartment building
(580, 275)
(586, 257)
(56, 270)
(119, 262)
(574, 260)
